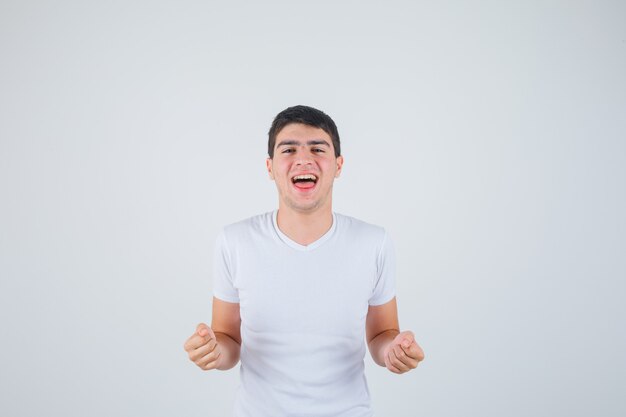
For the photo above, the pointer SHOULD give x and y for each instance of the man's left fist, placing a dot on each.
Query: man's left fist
(403, 353)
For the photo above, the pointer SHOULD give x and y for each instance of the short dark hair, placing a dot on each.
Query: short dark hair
(305, 115)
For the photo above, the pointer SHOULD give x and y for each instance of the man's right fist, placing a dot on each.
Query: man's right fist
(203, 349)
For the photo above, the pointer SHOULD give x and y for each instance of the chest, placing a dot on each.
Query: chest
(314, 292)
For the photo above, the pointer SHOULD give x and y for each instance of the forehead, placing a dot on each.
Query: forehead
(302, 132)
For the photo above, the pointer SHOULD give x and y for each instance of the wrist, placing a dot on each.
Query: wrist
(380, 344)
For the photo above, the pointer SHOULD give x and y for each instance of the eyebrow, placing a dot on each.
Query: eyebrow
(292, 142)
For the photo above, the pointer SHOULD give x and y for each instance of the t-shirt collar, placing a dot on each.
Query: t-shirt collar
(296, 245)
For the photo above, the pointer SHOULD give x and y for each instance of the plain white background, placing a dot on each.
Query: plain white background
(488, 137)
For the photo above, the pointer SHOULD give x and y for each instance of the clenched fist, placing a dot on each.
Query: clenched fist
(203, 349)
(403, 353)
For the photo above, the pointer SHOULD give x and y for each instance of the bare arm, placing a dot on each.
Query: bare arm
(218, 346)
(389, 347)
(381, 327)
(226, 324)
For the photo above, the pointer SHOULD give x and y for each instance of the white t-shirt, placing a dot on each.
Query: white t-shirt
(303, 311)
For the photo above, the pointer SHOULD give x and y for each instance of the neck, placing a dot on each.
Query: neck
(304, 228)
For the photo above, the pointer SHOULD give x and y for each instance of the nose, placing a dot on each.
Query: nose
(303, 161)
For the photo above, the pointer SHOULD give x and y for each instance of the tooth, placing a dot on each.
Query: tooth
(305, 177)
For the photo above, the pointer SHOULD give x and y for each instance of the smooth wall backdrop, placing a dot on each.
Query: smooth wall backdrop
(488, 137)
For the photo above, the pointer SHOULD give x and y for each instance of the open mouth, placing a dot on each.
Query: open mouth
(304, 181)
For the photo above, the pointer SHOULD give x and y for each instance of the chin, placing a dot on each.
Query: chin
(304, 206)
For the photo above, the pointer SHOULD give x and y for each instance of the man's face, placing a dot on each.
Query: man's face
(304, 167)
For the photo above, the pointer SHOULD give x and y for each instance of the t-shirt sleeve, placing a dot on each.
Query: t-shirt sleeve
(385, 285)
(223, 287)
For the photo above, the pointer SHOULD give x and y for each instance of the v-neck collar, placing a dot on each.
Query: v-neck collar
(295, 245)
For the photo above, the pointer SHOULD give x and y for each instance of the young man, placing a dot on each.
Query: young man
(297, 291)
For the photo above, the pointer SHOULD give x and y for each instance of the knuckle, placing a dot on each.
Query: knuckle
(190, 344)
(197, 354)
(211, 357)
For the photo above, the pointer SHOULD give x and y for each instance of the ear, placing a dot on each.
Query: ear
(339, 166)
(268, 164)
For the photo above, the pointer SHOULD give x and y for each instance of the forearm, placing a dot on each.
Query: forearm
(229, 349)
(378, 344)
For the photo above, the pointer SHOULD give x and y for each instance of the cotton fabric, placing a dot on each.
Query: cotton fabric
(303, 311)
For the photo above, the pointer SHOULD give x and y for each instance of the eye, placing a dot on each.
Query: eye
(318, 150)
(288, 150)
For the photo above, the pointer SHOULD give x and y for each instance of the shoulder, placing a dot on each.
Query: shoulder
(245, 230)
(359, 229)
(254, 223)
